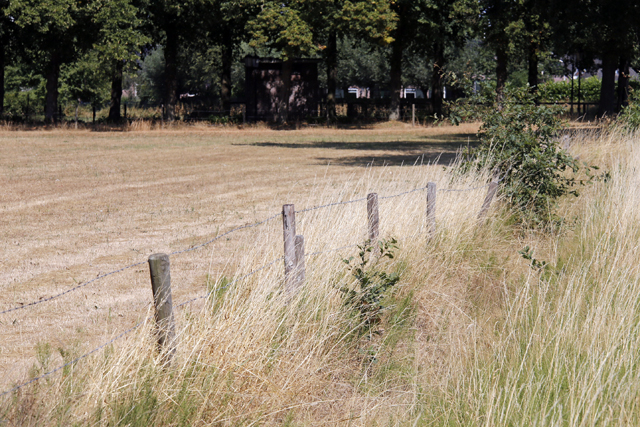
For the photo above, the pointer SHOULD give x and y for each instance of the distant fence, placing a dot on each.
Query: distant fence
(294, 265)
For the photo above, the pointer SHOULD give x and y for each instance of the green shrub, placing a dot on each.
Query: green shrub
(518, 141)
(373, 283)
(552, 91)
(630, 115)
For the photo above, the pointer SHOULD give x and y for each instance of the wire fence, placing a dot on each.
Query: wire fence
(210, 292)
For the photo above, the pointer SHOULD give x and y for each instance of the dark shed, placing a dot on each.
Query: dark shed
(263, 80)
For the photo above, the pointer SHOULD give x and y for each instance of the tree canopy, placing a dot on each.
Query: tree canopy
(65, 50)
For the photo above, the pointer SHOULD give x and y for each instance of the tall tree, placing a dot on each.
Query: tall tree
(496, 26)
(452, 23)
(285, 26)
(55, 32)
(415, 23)
(604, 30)
(226, 29)
(175, 24)
(369, 21)
(7, 44)
(120, 41)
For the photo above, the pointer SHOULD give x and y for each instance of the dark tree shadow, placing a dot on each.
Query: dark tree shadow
(436, 149)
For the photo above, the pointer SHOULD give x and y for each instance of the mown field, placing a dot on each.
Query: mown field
(76, 204)
(478, 330)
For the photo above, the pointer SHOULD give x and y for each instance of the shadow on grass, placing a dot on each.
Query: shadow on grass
(436, 149)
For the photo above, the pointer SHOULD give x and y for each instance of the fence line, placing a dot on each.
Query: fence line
(205, 296)
(82, 285)
(242, 227)
(77, 359)
(135, 265)
(430, 215)
(33, 303)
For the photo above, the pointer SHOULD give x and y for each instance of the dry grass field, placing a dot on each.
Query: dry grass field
(77, 204)
(478, 331)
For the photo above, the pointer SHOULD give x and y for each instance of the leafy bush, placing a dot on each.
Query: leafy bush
(552, 91)
(518, 142)
(630, 115)
(373, 283)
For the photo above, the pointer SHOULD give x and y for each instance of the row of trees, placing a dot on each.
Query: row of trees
(110, 38)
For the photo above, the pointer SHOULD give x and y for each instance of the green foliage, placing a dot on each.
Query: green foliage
(373, 283)
(519, 143)
(85, 79)
(362, 63)
(552, 91)
(23, 88)
(630, 115)
(283, 25)
(536, 264)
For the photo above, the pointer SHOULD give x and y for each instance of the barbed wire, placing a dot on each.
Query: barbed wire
(447, 190)
(208, 242)
(331, 204)
(76, 360)
(82, 285)
(102, 276)
(403, 193)
(205, 296)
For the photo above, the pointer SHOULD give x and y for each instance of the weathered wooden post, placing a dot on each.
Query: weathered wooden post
(289, 235)
(374, 217)
(299, 269)
(125, 111)
(491, 192)
(431, 209)
(77, 107)
(161, 285)
(94, 114)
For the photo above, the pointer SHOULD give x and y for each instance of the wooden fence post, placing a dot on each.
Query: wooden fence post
(289, 235)
(125, 111)
(77, 107)
(299, 269)
(431, 209)
(491, 192)
(374, 216)
(161, 285)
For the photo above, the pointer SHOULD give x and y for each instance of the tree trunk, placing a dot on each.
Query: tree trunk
(2, 59)
(623, 84)
(608, 89)
(436, 79)
(396, 74)
(225, 80)
(116, 91)
(285, 90)
(533, 67)
(51, 97)
(171, 73)
(501, 72)
(331, 54)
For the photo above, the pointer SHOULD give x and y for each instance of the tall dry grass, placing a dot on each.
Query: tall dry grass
(567, 351)
(472, 335)
(248, 355)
